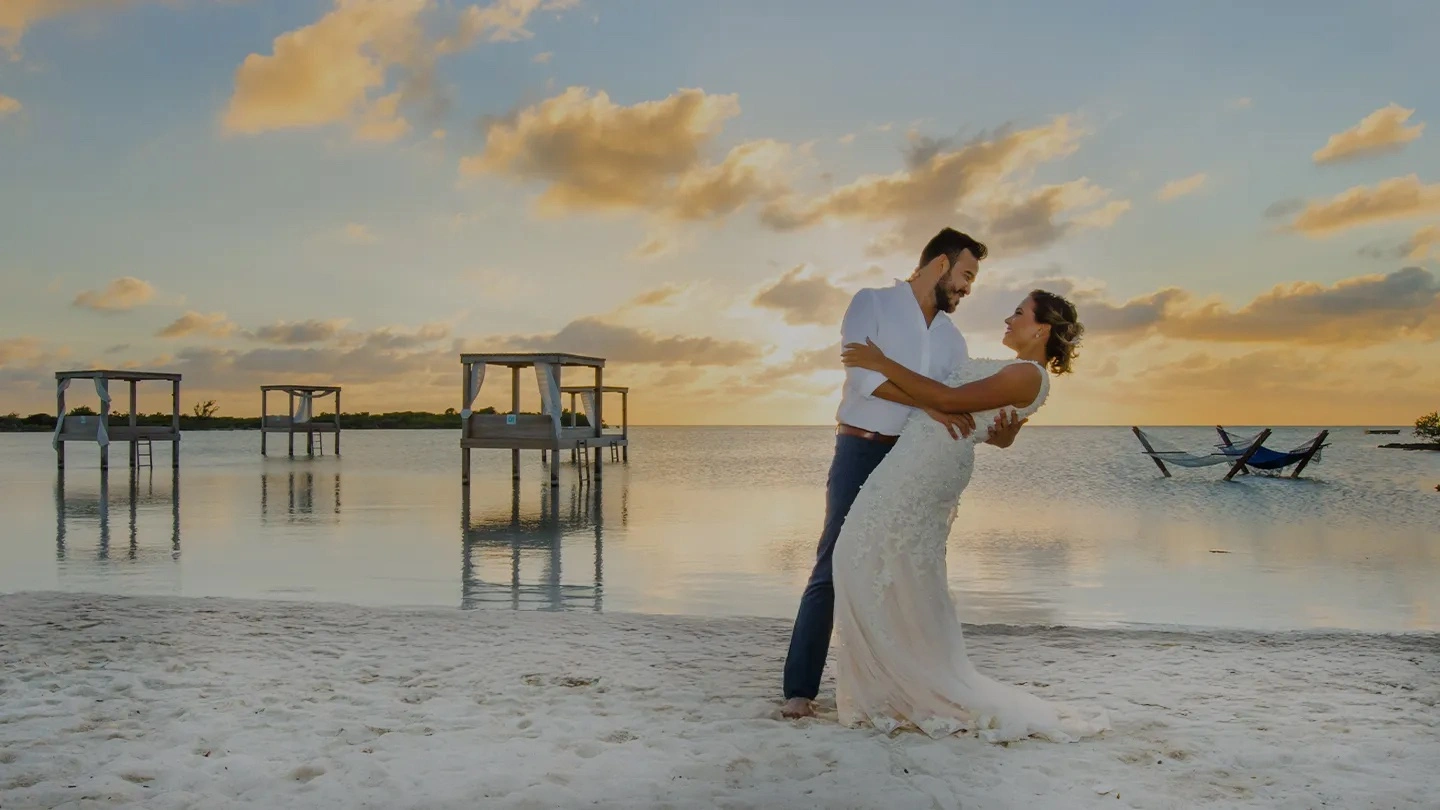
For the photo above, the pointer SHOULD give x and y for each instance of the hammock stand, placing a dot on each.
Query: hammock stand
(1274, 461)
(1182, 458)
(1242, 453)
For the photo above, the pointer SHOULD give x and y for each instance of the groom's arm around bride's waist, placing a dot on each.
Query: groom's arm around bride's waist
(861, 323)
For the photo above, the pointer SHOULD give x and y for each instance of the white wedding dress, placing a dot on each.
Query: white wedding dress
(901, 651)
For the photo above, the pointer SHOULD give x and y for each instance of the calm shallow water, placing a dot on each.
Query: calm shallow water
(1070, 526)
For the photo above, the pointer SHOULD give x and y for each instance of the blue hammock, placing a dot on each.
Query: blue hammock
(1264, 458)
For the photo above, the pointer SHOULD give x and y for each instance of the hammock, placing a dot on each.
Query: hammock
(1172, 454)
(1241, 452)
(1273, 460)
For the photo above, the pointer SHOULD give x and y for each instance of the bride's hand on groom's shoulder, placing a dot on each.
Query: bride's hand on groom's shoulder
(862, 355)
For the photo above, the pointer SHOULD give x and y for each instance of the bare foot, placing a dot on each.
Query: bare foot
(797, 707)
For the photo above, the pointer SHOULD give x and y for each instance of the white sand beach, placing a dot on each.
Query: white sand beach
(209, 703)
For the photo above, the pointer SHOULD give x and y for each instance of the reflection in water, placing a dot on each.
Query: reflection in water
(514, 541)
(93, 508)
(300, 487)
(723, 521)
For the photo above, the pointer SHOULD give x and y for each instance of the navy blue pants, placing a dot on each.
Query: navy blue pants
(855, 459)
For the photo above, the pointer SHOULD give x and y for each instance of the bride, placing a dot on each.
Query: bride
(901, 651)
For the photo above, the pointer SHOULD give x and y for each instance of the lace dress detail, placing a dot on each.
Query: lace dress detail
(901, 651)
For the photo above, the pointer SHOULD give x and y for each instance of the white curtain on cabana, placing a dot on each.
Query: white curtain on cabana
(548, 378)
(59, 417)
(587, 406)
(303, 408)
(102, 387)
(477, 376)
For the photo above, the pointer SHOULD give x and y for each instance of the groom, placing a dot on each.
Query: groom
(904, 320)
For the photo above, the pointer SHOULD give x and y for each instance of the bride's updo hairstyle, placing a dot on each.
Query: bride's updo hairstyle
(1065, 329)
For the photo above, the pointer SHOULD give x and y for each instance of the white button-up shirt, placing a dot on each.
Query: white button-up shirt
(892, 318)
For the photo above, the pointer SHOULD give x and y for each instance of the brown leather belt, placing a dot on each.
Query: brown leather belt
(869, 435)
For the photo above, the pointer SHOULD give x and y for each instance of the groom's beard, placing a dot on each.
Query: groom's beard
(945, 300)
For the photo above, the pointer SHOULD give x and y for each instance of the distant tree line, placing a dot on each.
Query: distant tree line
(204, 416)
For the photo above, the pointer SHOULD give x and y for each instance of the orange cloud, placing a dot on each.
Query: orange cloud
(502, 21)
(1417, 247)
(381, 121)
(1176, 189)
(593, 154)
(15, 351)
(360, 234)
(339, 69)
(9, 105)
(886, 244)
(1382, 131)
(939, 177)
(1420, 244)
(1037, 218)
(979, 180)
(1398, 198)
(805, 362)
(654, 247)
(120, 295)
(289, 334)
(804, 299)
(26, 373)
(325, 72)
(657, 296)
(196, 324)
(626, 344)
(391, 338)
(16, 16)
(1277, 387)
(1363, 311)
(231, 370)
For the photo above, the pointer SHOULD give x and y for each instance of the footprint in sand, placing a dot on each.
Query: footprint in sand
(138, 778)
(305, 773)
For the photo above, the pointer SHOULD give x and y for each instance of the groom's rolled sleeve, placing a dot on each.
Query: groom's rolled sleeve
(861, 321)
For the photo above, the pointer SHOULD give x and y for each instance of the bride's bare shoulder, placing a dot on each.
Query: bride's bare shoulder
(1023, 379)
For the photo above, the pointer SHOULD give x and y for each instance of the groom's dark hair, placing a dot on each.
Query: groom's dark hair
(951, 243)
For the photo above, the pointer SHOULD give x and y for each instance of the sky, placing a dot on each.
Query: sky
(1243, 201)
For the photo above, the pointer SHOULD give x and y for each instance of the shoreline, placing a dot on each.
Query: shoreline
(252, 423)
(178, 701)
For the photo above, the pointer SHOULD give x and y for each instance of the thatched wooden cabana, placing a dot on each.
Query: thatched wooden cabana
(299, 416)
(97, 428)
(544, 431)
